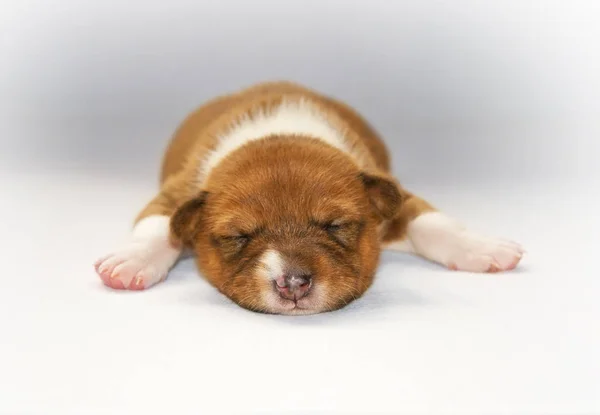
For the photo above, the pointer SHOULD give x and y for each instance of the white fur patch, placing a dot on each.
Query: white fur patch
(154, 226)
(402, 245)
(272, 264)
(442, 239)
(295, 117)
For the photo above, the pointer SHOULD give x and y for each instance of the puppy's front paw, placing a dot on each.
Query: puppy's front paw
(476, 253)
(137, 266)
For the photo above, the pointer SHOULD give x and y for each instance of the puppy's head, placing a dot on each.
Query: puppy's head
(288, 228)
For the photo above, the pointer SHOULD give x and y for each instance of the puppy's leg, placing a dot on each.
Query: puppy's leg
(421, 229)
(148, 256)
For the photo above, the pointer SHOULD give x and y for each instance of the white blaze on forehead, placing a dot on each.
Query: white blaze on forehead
(272, 264)
(292, 117)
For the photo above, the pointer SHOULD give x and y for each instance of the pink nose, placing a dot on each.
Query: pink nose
(293, 287)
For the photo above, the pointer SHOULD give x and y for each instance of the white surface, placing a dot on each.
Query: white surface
(423, 339)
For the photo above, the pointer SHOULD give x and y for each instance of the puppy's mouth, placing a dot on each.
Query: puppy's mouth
(290, 304)
(297, 304)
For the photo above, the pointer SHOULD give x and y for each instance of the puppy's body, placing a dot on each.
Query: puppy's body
(286, 197)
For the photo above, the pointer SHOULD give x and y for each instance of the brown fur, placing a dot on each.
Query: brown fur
(328, 213)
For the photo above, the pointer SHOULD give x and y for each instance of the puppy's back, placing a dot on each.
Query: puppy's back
(198, 133)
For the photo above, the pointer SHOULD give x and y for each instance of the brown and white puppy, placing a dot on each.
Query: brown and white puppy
(286, 198)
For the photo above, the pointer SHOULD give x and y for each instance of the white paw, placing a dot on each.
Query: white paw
(137, 266)
(443, 240)
(475, 253)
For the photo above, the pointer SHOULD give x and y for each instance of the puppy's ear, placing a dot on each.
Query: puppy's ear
(384, 194)
(185, 221)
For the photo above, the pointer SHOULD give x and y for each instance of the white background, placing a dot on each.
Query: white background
(491, 112)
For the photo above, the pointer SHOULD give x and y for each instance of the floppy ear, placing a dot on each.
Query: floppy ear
(185, 220)
(384, 194)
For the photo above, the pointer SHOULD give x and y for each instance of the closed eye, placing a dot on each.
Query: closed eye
(240, 239)
(329, 226)
(332, 227)
(232, 245)
(343, 233)
(239, 236)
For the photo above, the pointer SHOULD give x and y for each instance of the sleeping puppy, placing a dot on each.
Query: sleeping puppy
(286, 198)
